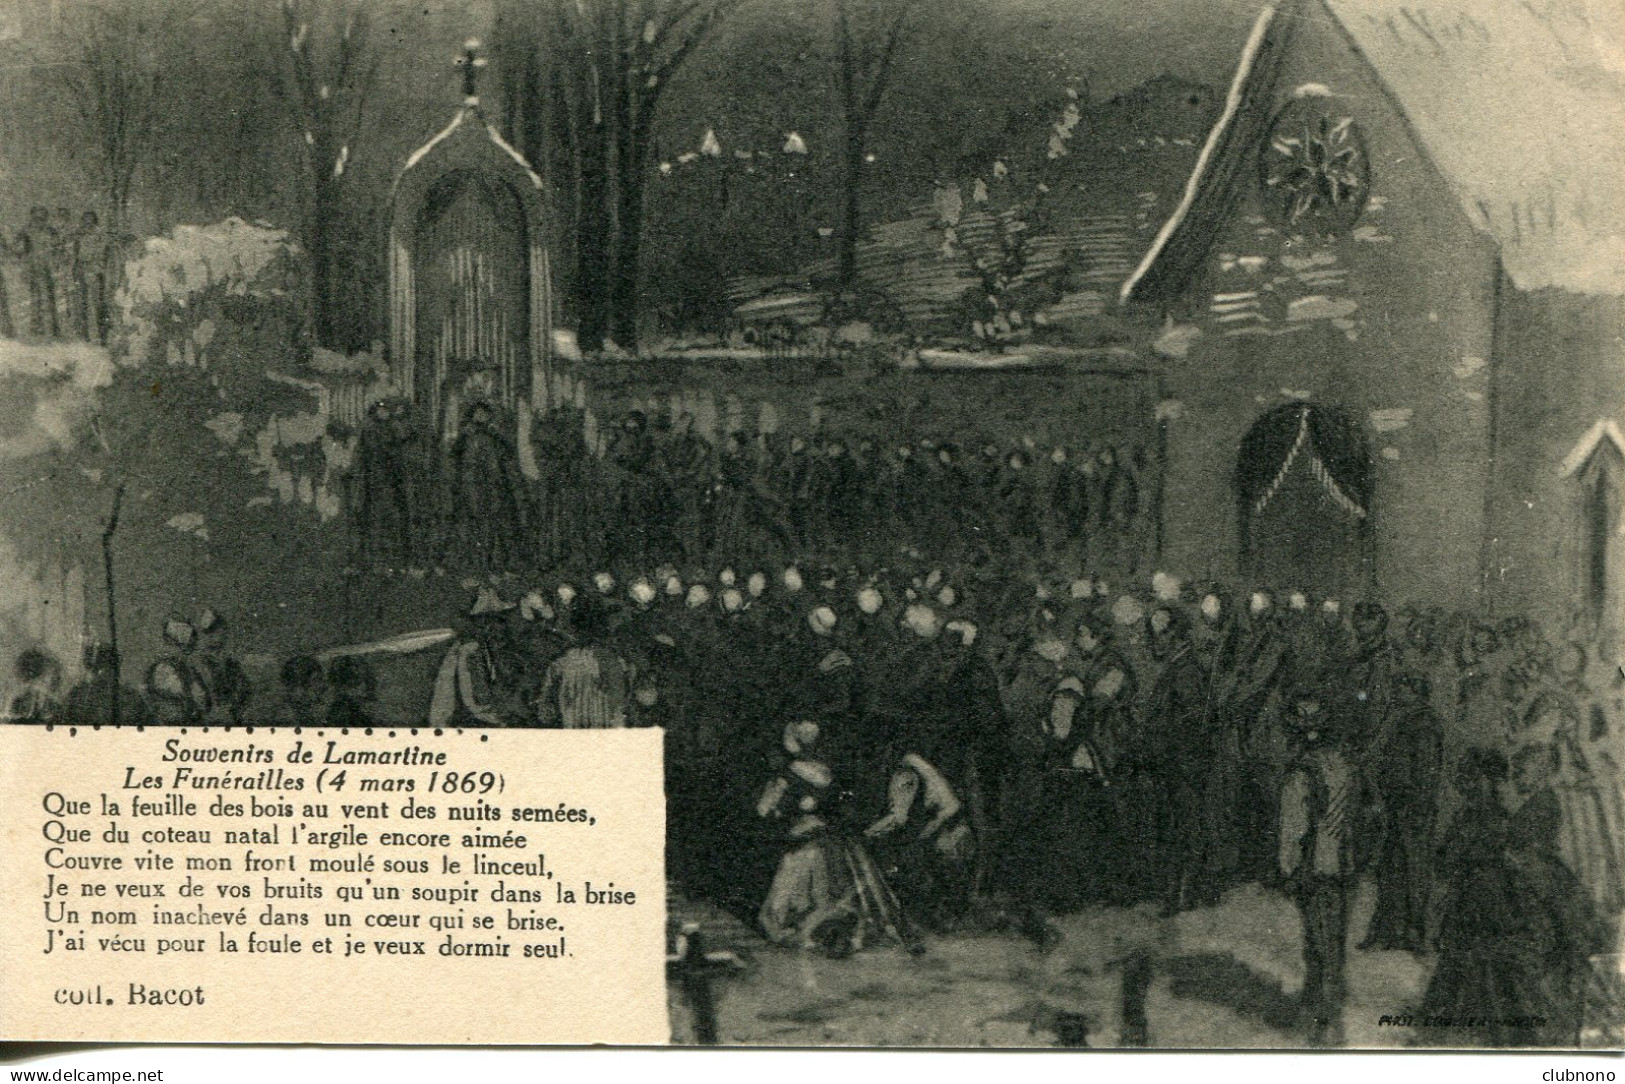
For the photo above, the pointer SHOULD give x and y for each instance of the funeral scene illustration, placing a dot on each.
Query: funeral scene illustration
(1115, 508)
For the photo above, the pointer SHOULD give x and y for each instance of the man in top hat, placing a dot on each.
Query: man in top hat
(1317, 806)
(487, 492)
(1176, 746)
(34, 246)
(648, 507)
(384, 467)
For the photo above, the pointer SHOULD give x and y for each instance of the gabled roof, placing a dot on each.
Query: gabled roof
(1605, 430)
(1521, 107)
(468, 124)
(1206, 188)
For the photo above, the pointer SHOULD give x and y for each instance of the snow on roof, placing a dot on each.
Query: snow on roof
(512, 152)
(422, 152)
(471, 106)
(1522, 108)
(1605, 429)
(1210, 150)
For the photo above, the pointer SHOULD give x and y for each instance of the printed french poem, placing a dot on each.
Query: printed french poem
(326, 886)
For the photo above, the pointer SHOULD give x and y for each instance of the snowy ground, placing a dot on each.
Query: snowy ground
(1226, 976)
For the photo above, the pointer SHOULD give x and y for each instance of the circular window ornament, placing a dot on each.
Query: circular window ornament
(1314, 169)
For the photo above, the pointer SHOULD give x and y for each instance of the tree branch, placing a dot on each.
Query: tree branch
(664, 28)
(888, 55)
(845, 63)
(697, 33)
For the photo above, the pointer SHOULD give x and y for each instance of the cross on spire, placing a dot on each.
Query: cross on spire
(470, 61)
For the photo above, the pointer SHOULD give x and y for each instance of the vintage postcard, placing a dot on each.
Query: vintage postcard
(924, 523)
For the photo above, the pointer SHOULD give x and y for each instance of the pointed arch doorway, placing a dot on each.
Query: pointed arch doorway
(470, 289)
(472, 281)
(1596, 469)
(1303, 491)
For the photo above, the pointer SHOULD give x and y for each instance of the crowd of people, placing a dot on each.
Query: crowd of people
(859, 755)
(69, 268)
(863, 750)
(641, 490)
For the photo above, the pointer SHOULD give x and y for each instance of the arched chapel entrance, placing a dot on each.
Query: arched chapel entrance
(1303, 488)
(472, 279)
(470, 288)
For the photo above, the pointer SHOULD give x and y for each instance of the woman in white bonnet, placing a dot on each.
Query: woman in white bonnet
(827, 893)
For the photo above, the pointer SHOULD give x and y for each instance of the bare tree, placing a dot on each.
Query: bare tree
(605, 68)
(570, 88)
(867, 38)
(110, 57)
(664, 36)
(324, 68)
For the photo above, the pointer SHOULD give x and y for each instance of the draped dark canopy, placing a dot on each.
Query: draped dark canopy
(1303, 488)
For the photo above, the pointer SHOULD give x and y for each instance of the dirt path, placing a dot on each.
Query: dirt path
(1226, 976)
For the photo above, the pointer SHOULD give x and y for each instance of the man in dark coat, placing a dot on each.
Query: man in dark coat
(1516, 929)
(487, 514)
(382, 463)
(1176, 745)
(1370, 674)
(223, 676)
(34, 246)
(1018, 524)
(1405, 767)
(632, 452)
(848, 499)
(92, 272)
